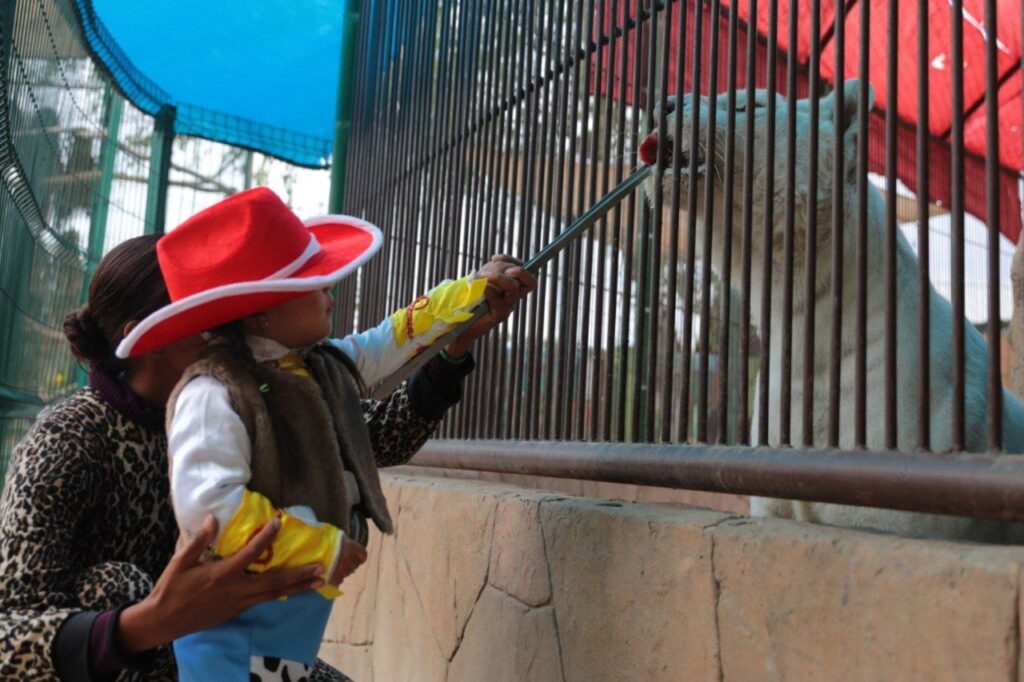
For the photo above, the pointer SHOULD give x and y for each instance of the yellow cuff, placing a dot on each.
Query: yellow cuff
(297, 543)
(451, 303)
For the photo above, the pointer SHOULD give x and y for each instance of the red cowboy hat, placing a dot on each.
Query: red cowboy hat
(242, 255)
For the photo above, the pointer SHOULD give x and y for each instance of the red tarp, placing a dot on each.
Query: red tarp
(1009, 76)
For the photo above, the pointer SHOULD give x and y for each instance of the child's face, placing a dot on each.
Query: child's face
(301, 322)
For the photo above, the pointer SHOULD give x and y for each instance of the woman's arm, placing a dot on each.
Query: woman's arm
(400, 424)
(52, 480)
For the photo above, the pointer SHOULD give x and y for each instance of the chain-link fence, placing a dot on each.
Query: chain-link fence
(75, 163)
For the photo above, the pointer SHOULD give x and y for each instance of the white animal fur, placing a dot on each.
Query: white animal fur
(904, 523)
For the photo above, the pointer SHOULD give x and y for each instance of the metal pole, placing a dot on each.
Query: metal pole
(984, 486)
(113, 106)
(343, 118)
(159, 170)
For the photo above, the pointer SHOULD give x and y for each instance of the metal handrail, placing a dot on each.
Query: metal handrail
(979, 485)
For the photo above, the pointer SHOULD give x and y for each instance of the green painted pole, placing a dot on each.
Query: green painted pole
(113, 107)
(159, 170)
(343, 117)
(247, 179)
(343, 124)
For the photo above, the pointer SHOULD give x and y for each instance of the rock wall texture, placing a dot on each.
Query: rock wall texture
(1016, 378)
(483, 581)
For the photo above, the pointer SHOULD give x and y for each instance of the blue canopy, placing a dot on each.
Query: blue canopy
(261, 75)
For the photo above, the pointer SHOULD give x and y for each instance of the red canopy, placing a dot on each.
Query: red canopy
(1010, 77)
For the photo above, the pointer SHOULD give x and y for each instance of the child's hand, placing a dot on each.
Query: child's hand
(352, 557)
(507, 282)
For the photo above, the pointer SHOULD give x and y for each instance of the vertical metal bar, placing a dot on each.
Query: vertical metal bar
(479, 408)
(544, 315)
(439, 120)
(838, 111)
(531, 220)
(161, 150)
(892, 46)
(343, 112)
(923, 252)
(416, 132)
(385, 160)
(995, 384)
(654, 288)
(710, 170)
(113, 109)
(494, 348)
(466, 150)
(726, 279)
(668, 392)
(743, 400)
(555, 338)
(452, 202)
(956, 138)
(861, 312)
(526, 206)
(643, 407)
(566, 304)
(786, 361)
(247, 169)
(600, 396)
(691, 223)
(476, 136)
(811, 236)
(518, 82)
(769, 227)
(617, 73)
(392, 156)
(577, 377)
(587, 282)
(627, 413)
(631, 414)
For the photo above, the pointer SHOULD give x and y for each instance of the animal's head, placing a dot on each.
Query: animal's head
(710, 163)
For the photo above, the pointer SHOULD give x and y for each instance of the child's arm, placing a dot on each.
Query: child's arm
(380, 351)
(210, 453)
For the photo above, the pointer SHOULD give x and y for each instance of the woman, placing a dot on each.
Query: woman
(85, 518)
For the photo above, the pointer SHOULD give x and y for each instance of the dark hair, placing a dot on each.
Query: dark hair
(127, 286)
(234, 334)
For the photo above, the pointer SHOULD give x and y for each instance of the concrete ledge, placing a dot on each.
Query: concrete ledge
(487, 581)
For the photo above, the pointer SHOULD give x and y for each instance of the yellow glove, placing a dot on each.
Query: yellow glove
(448, 303)
(297, 543)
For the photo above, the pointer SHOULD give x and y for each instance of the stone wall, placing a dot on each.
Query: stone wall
(484, 581)
(1015, 382)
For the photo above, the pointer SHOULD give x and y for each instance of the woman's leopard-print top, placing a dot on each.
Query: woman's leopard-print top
(88, 486)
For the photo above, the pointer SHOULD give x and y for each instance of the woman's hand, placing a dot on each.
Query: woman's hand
(193, 595)
(352, 557)
(507, 282)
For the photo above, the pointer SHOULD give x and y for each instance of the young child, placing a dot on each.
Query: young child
(269, 423)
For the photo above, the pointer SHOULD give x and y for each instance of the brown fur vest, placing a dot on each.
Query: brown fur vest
(323, 433)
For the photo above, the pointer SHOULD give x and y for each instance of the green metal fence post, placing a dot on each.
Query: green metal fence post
(343, 119)
(159, 170)
(113, 106)
(9, 278)
(247, 170)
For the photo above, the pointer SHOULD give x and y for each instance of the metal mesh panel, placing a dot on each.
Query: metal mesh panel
(485, 127)
(50, 134)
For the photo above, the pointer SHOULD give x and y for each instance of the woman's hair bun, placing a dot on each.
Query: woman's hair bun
(87, 340)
